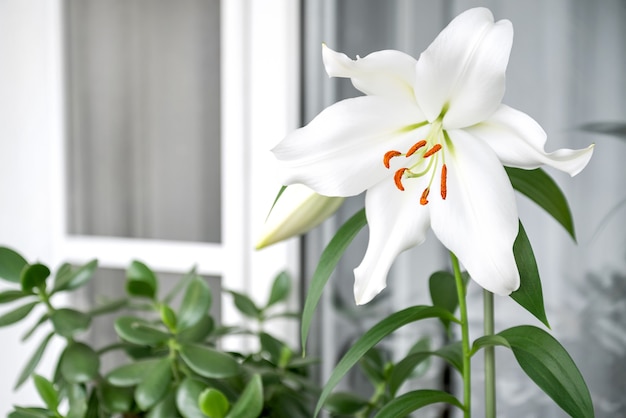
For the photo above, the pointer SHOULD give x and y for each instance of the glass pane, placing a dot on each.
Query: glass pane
(144, 119)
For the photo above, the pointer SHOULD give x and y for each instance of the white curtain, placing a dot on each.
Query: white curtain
(567, 70)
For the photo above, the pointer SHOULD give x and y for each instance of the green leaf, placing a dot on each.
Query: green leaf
(549, 365)
(453, 354)
(11, 265)
(139, 331)
(116, 399)
(108, 307)
(33, 361)
(275, 348)
(168, 317)
(166, 408)
(34, 276)
(213, 403)
(250, 403)
(141, 281)
(373, 336)
(541, 189)
(345, 403)
(42, 319)
(280, 289)
(68, 322)
(131, 374)
(412, 401)
(11, 295)
(245, 305)
(16, 314)
(47, 392)
(196, 303)
(155, 384)
(79, 363)
(30, 413)
(77, 400)
(326, 265)
(68, 278)
(529, 295)
(187, 396)
(208, 362)
(443, 292)
(197, 332)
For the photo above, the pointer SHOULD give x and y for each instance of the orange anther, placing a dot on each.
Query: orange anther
(415, 147)
(433, 150)
(397, 178)
(424, 198)
(389, 155)
(444, 180)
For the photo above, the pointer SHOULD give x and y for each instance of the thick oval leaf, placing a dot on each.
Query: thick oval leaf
(196, 303)
(412, 401)
(250, 403)
(208, 362)
(68, 322)
(198, 332)
(141, 281)
(549, 365)
(328, 261)
(245, 305)
(529, 295)
(17, 314)
(280, 289)
(11, 265)
(69, 279)
(116, 399)
(213, 403)
(47, 392)
(187, 396)
(79, 363)
(168, 317)
(278, 351)
(345, 403)
(77, 400)
(11, 295)
(139, 331)
(541, 189)
(155, 384)
(32, 363)
(34, 276)
(166, 408)
(373, 336)
(131, 374)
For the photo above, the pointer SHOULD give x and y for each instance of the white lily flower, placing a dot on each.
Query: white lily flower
(298, 210)
(428, 142)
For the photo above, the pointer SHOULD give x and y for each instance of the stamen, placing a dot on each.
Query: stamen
(444, 179)
(424, 198)
(415, 147)
(433, 150)
(389, 155)
(398, 178)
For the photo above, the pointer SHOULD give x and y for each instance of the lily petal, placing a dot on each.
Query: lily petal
(396, 222)
(386, 73)
(297, 211)
(478, 220)
(340, 152)
(519, 141)
(463, 69)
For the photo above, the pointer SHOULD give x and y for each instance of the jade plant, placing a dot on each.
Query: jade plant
(174, 365)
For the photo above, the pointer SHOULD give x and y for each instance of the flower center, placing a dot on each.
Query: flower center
(427, 157)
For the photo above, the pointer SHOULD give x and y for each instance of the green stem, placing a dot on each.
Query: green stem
(465, 341)
(490, 357)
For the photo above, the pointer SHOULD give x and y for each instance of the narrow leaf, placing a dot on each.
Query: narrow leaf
(74, 278)
(47, 392)
(11, 265)
(16, 314)
(345, 403)
(79, 363)
(529, 295)
(187, 396)
(32, 363)
(141, 281)
(69, 322)
(442, 287)
(549, 365)
(250, 403)
(108, 307)
(373, 336)
(11, 295)
(155, 384)
(196, 303)
(208, 362)
(280, 289)
(326, 265)
(42, 319)
(412, 401)
(539, 187)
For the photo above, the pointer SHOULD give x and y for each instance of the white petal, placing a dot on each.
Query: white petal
(298, 210)
(340, 153)
(464, 69)
(478, 220)
(396, 222)
(383, 73)
(519, 141)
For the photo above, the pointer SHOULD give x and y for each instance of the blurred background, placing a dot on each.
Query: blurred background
(141, 129)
